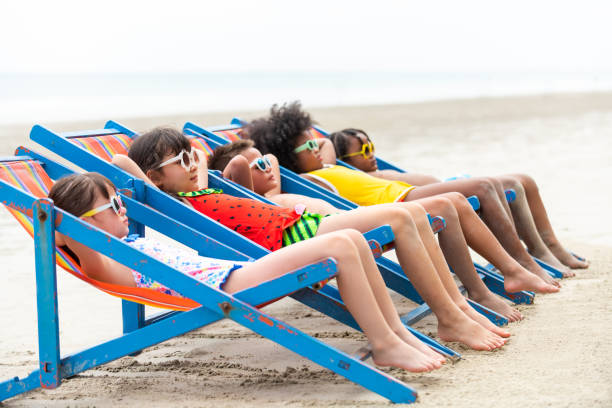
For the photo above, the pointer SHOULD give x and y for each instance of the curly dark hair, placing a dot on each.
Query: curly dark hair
(222, 155)
(278, 133)
(340, 139)
(149, 149)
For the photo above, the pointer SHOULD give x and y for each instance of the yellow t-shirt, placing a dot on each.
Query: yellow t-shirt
(360, 187)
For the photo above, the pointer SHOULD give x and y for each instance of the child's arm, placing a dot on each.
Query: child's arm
(328, 153)
(100, 267)
(125, 163)
(415, 179)
(238, 171)
(202, 168)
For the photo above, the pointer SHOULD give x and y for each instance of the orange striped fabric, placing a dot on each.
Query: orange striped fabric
(232, 135)
(315, 134)
(29, 176)
(235, 134)
(105, 146)
(201, 144)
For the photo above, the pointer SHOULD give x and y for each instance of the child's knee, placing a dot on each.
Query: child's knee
(401, 218)
(527, 182)
(342, 242)
(485, 187)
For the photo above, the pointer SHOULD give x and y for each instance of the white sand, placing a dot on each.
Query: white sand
(557, 355)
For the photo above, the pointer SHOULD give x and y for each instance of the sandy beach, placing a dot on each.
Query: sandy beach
(557, 355)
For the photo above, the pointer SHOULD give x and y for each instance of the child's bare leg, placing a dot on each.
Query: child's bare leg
(313, 205)
(384, 300)
(456, 252)
(388, 349)
(435, 254)
(542, 222)
(526, 226)
(453, 324)
(493, 214)
(480, 238)
(501, 193)
(415, 179)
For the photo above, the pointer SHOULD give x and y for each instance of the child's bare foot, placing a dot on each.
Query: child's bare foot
(521, 279)
(411, 340)
(537, 270)
(566, 257)
(470, 333)
(404, 356)
(550, 259)
(482, 320)
(497, 304)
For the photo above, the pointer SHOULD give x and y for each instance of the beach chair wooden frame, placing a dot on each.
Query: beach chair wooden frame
(326, 300)
(208, 304)
(294, 183)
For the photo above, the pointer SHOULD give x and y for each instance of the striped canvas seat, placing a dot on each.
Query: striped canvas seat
(232, 135)
(30, 177)
(201, 144)
(106, 146)
(316, 134)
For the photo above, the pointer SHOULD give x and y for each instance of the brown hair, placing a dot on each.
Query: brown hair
(149, 149)
(76, 193)
(223, 154)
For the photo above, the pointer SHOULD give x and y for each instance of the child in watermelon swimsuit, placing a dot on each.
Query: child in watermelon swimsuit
(93, 198)
(164, 158)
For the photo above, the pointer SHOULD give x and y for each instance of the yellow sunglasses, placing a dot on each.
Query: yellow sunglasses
(114, 202)
(367, 149)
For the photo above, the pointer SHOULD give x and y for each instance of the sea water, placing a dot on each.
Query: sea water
(64, 97)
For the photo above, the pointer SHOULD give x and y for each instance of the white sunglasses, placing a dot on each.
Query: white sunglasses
(186, 158)
(262, 163)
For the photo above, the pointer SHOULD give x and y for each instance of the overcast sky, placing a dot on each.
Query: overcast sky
(222, 35)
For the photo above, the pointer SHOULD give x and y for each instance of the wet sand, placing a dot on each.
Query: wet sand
(557, 355)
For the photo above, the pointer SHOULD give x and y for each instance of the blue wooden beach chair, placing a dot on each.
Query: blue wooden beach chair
(92, 150)
(294, 183)
(391, 271)
(24, 180)
(317, 132)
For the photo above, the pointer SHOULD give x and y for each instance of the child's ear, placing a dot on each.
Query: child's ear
(156, 177)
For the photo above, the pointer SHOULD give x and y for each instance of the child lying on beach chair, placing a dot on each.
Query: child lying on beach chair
(241, 162)
(93, 198)
(24, 186)
(355, 147)
(164, 158)
(285, 133)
